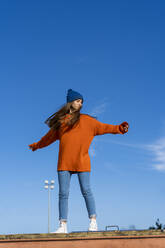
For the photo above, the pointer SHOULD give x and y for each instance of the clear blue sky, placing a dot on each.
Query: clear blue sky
(113, 53)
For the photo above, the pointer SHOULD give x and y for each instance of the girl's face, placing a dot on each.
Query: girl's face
(77, 104)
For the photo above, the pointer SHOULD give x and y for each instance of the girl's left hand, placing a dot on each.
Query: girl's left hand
(33, 146)
(124, 127)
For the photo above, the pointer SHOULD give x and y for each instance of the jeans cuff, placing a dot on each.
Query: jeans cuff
(63, 220)
(93, 215)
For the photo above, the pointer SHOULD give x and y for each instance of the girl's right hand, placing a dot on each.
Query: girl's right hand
(33, 146)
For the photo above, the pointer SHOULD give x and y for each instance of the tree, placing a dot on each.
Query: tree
(159, 226)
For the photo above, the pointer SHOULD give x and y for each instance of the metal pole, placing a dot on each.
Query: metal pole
(48, 209)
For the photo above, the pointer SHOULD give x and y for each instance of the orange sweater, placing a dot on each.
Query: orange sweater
(74, 144)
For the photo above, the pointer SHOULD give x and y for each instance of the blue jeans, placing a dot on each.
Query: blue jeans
(64, 183)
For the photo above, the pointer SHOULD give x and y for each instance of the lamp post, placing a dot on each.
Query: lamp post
(49, 186)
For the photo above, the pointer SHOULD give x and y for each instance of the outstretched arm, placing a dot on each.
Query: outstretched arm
(46, 140)
(103, 128)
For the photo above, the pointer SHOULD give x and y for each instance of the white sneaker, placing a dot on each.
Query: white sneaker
(93, 225)
(62, 228)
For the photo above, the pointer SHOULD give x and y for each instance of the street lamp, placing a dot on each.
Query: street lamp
(49, 186)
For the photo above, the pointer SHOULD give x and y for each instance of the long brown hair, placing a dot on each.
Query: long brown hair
(54, 121)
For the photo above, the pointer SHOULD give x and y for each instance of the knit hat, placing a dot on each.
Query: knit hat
(73, 95)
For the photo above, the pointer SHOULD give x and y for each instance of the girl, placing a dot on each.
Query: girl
(75, 131)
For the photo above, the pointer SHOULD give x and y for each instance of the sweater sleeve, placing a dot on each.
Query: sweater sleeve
(103, 128)
(47, 139)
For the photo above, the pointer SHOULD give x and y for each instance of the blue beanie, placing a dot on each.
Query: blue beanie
(73, 95)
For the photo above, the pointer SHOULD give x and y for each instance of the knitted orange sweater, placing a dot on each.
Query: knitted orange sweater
(74, 144)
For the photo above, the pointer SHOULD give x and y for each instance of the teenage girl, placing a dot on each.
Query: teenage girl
(75, 132)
